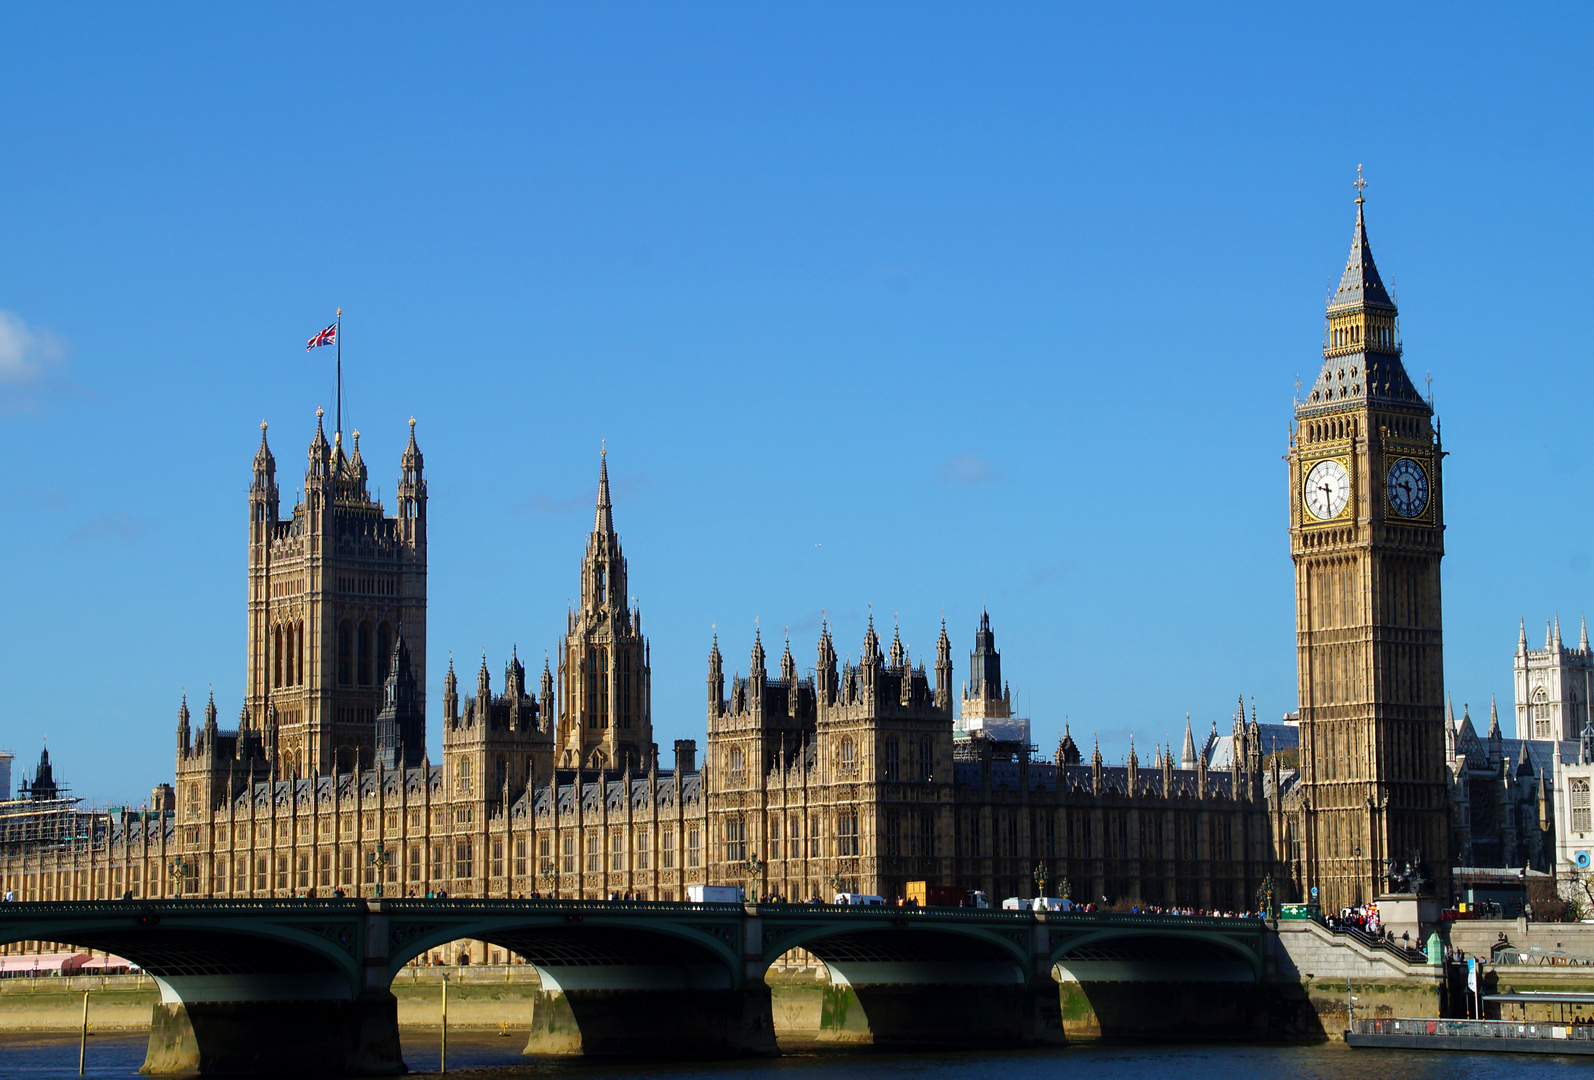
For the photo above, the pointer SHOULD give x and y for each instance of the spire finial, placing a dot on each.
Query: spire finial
(1361, 183)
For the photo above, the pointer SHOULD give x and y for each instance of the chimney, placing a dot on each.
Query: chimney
(685, 756)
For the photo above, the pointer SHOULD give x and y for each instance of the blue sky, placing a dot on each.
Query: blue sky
(919, 307)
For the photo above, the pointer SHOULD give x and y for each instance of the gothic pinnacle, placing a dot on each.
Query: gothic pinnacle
(604, 523)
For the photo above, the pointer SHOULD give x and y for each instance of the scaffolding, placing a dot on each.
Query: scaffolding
(34, 825)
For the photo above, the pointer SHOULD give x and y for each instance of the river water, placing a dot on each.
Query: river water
(485, 1055)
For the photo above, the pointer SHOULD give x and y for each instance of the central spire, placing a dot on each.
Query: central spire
(604, 525)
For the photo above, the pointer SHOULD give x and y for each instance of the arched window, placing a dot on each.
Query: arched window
(889, 768)
(1541, 714)
(926, 759)
(847, 833)
(589, 705)
(345, 649)
(276, 667)
(384, 652)
(738, 765)
(849, 756)
(364, 666)
(1579, 790)
(298, 653)
(462, 777)
(735, 839)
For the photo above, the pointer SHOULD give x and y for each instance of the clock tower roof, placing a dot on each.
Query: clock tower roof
(1361, 351)
(1360, 286)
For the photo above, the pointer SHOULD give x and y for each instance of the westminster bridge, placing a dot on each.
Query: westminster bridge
(262, 986)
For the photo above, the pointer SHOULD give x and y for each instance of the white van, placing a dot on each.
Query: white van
(977, 899)
(853, 899)
(714, 894)
(1051, 903)
(1015, 903)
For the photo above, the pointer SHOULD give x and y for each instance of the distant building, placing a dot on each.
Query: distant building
(1552, 684)
(5, 774)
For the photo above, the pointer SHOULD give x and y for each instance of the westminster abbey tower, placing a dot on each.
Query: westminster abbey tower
(1367, 534)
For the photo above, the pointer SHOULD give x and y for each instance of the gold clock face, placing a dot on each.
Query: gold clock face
(1327, 490)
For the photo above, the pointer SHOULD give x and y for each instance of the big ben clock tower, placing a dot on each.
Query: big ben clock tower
(1366, 535)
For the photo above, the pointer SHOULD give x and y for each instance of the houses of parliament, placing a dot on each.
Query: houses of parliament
(817, 776)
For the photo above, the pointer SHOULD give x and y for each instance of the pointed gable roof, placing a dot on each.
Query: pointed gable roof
(1360, 285)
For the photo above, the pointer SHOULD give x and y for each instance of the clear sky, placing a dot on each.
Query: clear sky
(910, 306)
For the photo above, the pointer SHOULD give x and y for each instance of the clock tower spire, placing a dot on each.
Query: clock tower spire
(1367, 537)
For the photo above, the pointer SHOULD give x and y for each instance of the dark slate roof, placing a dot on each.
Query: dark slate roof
(1357, 377)
(612, 793)
(1077, 778)
(1360, 285)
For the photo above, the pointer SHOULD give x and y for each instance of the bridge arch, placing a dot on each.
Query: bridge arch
(227, 971)
(1150, 947)
(555, 941)
(632, 979)
(901, 939)
(918, 978)
(200, 954)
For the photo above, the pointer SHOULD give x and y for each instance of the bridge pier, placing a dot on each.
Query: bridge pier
(649, 1011)
(237, 1026)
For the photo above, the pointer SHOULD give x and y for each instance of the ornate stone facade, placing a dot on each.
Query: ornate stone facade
(852, 777)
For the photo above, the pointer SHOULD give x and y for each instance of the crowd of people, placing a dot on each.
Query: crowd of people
(1363, 918)
(1158, 909)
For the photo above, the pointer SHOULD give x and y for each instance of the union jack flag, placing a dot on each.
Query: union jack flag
(325, 337)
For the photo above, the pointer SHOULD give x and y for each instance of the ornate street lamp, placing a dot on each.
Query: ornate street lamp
(1064, 889)
(180, 870)
(549, 878)
(1040, 879)
(378, 858)
(753, 866)
(837, 884)
(1265, 894)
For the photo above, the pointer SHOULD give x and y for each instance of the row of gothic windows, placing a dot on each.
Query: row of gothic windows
(287, 650)
(363, 652)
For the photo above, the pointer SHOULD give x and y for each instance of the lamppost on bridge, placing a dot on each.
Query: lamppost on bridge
(1041, 875)
(549, 878)
(838, 885)
(379, 859)
(1064, 889)
(180, 870)
(752, 866)
(1265, 894)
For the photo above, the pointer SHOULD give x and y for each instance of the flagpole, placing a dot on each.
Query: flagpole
(338, 336)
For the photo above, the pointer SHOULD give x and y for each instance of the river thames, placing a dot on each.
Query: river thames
(483, 1054)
